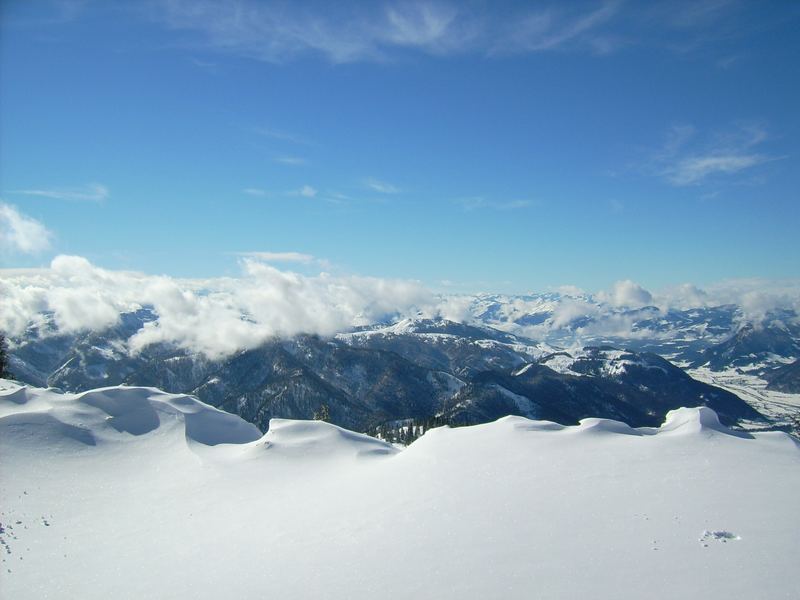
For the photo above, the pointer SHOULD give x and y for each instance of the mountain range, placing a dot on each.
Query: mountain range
(422, 368)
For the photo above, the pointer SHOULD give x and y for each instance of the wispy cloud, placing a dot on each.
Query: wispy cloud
(21, 234)
(283, 136)
(299, 258)
(293, 161)
(382, 187)
(91, 192)
(306, 191)
(686, 158)
(480, 203)
(695, 169)
(281, 257)
(551, 29)
(276, 33)
(699, 13)
(258, 192)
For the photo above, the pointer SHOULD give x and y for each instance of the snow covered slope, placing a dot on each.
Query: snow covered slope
(133, 493)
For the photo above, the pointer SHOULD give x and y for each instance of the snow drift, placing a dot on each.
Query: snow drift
(132, 492)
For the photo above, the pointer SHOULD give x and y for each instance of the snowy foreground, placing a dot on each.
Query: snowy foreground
(134, 493)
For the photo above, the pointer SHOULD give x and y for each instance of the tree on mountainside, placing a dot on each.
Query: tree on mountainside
(3, 356)
(323, 414)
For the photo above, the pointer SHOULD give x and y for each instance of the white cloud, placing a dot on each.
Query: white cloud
(695, 169)
(375, 32)
(381, 187)
(214, 316)
(294, 257)
(283, 136)
(756, 296)
(478, 203)
(570, 290)
(684, 296)
(549, 30)
(455, 307)
(687, 160)
(568, 310)
(627, 293)
(258, 192)
(91, 192)
(264, 31)
(307, 191)
(20, 234)
(292, 161)
(222, 315)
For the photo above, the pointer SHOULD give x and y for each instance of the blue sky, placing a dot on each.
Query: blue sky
(471, 146)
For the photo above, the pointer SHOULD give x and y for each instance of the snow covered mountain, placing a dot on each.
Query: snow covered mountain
(134, 493)
(635, 387)
(564, 319)
(726, 334)
(752, 348)
(412, 369)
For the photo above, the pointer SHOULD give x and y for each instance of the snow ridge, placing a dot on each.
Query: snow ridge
(115, 414)
(117, 492)
(119, 414)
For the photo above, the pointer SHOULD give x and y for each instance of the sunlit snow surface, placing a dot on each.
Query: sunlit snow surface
(133, 493)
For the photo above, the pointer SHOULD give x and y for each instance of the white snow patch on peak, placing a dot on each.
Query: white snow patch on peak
(523, 370)
(560, 362)
(319, 439)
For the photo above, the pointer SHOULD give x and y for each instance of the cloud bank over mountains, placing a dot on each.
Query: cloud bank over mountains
(223, 315)
(214, 316)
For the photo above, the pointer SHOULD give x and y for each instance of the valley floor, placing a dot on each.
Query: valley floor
(777, 406)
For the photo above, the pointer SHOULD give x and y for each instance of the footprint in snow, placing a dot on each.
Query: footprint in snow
(721, 536)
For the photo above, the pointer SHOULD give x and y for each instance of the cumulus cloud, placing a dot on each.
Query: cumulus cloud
(21, 234)
(682, 297)
(568, 310)
(620, 311)
(223, 315)
(214, 316)
(570, 290)
(627, 293)
(756, 297)
(456, 308)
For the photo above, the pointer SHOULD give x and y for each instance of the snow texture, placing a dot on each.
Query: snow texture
(134, 493)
